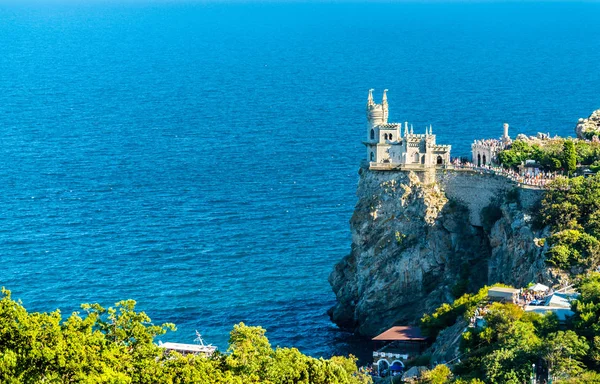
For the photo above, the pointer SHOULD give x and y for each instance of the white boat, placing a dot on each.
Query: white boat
(200, 348)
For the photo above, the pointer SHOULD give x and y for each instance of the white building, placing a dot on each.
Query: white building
(485, 152)
(386, 144)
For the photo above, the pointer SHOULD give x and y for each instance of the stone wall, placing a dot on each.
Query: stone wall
(477, 190)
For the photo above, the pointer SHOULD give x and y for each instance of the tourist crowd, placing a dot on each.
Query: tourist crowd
(535, 178)
(524, 298)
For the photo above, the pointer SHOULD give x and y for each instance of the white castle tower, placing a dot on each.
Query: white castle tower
(485, 152)
(387, 147)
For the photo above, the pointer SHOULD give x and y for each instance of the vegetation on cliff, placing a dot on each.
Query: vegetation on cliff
(116, 345)
(571, 208)
(553, 155)
(446, 314)
(512, 340)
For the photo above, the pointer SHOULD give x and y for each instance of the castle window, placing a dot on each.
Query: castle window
(439, 160)
(423, 159)
(479, 160)
(372, 156)
(372, 134)
(391, 137)
(385, 136)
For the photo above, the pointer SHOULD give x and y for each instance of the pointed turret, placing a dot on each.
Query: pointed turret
(406, 128)
(430, 129)
(411, 129)
(374, 112)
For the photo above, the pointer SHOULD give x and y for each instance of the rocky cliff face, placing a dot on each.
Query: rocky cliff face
(418, 240)
(590, 126)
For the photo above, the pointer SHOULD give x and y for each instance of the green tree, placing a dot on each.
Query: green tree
(570, 157)
(116, 345)
(563, 350)
(441, 374)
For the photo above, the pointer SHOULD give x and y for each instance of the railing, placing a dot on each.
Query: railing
(400, 167)
(519, 181)
(391, 355)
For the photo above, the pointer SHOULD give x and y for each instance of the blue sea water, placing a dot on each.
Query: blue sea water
(201, 158)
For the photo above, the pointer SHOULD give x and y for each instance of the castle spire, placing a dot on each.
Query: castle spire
(384, 105)
(430, 129)
(411, 129)
(406, 128)
(370, 99)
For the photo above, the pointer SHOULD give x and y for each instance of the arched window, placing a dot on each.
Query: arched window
(372, 134)
(479, 159)
(372, 156)
(483, 159)
(396, 367)
(383, 366)
(417, 158)
(439, 160)
(391, 137)
(385, 136)
(423, 159)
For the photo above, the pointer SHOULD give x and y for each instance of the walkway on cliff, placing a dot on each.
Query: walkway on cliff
(527, 181)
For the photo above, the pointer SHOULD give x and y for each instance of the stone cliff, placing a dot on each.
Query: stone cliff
(421, 239)
(589, 127)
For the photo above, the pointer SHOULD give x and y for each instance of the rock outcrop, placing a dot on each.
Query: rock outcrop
(587, 128)
(419, 240)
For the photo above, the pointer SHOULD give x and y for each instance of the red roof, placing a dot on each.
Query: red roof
(401, 333)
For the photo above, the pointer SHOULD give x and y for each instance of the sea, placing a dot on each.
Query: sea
(201, 158)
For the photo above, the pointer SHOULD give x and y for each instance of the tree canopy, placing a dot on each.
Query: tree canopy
(116, 345)
(571, 207)
(555, 155)
(511, 341)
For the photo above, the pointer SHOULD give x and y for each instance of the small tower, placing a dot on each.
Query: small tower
(505, 136)
(374, 112)
(384, 104)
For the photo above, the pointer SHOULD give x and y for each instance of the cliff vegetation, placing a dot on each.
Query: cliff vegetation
(511, 341)
(553, 155)
(571, 208)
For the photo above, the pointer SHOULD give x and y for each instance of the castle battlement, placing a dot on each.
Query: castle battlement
(389, 144)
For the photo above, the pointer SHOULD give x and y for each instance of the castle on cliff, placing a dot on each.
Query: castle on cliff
(394, 146)
(388, 147)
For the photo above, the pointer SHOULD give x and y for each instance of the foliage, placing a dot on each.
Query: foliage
(586, 377)
(116, 345)
(446, 315)
(563, 351)
(504, 350)
(569, 157)
(587, 307)
(441, 374)
(511, 340)
(571, 207)
(472, 381)
(556, 155)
